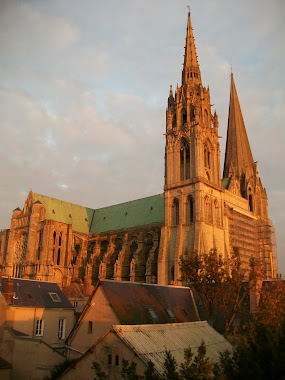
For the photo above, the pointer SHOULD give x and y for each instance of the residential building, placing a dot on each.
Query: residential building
(36, 318)
(127, 303)
(143, 343)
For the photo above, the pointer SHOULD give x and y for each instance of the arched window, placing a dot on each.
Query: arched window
(58, 257)
(207, 209)
(250, 203)
(217, 213)
(184, 161)
(207, 157)
(184, 116)
(175, 212)
(192, 113)
(190, 209)
(206, 118)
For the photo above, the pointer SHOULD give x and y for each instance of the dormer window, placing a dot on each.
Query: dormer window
(152, 312)
(169, 312)
(55, 297)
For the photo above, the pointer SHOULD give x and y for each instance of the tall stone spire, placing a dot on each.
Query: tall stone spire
(191, 70)
(238, 157)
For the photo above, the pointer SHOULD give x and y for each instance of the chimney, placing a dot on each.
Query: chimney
(86, 287)
(8, 290)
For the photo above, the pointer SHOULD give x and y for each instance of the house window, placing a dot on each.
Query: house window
(61, 328)
(90, 327)
(109, 359)
(75, 303)
(169, 312)
(151, 312)
(39, 327)
(117, 360)
(55, 297)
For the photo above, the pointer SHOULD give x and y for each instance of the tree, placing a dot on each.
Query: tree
(205, 273)
(220, 285)
(199, 368)
(260, 350)
(59, 368)
(193, 368)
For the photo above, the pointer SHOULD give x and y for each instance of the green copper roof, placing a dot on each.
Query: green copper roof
(64, 212)
(124, 215)
(129, 214)
(226, 182)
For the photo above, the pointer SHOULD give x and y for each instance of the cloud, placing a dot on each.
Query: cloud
(84, 86)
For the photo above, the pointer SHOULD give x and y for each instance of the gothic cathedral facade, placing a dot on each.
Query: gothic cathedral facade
(143, 240)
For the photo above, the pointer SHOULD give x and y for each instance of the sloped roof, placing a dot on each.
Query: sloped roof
(30, 293)
(65, 212)
(132, 302)
(149, 342)
(139, 212)
(73, 290)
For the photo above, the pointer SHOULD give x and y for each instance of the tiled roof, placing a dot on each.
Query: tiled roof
(149, 342)
(137, 303)
(73, 290)
(139, 212)
(30, 293)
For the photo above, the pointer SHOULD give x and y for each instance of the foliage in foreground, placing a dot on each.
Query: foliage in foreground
(59, 368)
(220, 289)
(193, 368)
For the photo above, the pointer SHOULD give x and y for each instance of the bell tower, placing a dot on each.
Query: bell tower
(192, 148)
(192, 167)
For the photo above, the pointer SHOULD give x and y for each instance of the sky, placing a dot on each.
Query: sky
(84, 88)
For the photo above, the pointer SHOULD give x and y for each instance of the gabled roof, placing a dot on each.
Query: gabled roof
(73, 290)
(149, 342)
(30, 293)
(139, 212)
(134, 302)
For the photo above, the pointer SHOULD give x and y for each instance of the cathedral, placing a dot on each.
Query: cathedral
(144, 239)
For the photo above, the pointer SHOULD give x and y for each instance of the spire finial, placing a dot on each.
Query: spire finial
(191, 68)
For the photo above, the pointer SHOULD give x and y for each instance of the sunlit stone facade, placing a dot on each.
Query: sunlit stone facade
(143, 240)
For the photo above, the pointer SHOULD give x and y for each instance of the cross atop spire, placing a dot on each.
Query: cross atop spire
(191, 70)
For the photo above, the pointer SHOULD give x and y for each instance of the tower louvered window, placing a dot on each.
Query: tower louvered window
(184, 161)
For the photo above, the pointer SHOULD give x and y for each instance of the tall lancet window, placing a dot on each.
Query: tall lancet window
(190, 209)
(184, 161)
(184, 116)
(175, 212)
(207, 157)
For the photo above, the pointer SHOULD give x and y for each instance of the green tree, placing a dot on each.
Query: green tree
(193, 368)
(220, 285)
(198, 369)
(128, 371)
(59, 368)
